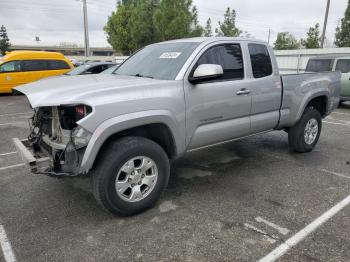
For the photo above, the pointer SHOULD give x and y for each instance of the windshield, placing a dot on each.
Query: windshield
(160, 61)
(78, 70)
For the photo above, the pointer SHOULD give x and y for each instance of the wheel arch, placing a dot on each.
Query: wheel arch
(320, 103)
(319, 100)
(157, 126)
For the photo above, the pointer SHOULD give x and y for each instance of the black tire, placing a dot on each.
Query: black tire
(112, 159)
(296, 133)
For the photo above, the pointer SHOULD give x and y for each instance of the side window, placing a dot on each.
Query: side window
(58, 65)
(95, 70)
(12, 66)
(319, 65)
(343, 66)
(35, 65)
(229, 56)
(261, 60)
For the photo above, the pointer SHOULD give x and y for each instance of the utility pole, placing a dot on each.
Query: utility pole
(325, 23)
(86, 30)
(268, 38)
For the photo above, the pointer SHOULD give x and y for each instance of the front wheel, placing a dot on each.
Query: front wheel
(304, 136)
(130, 175)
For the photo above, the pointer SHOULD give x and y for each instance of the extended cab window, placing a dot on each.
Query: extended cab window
(13, 66)
(261, 60)
(343, 66)
(319, 65)
(229, 56)
(58, 65)
(35, 65)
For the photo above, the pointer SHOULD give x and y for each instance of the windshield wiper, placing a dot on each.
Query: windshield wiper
(139, 75)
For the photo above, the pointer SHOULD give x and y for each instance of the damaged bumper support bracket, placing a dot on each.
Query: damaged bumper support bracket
(40, 163)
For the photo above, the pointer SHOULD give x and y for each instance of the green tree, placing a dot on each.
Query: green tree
(208, 31)
(141, 24)
(313, 39)
(196, 28)
(228, 26)
(118, 29)
(4, 40)
(286, 41)
(175, 19)
(137, 23)
(342, 35)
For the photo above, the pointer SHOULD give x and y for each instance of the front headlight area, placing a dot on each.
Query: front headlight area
(81, 136)
(63, 138)
(75, 137)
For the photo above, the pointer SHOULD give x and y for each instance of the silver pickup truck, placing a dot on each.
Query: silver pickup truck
(169, 98)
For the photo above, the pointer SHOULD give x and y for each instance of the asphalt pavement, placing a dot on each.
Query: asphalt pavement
(234, 202)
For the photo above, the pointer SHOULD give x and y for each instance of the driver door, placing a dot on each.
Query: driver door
(218, 110)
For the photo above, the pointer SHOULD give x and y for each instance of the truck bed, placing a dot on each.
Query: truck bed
(298, 89)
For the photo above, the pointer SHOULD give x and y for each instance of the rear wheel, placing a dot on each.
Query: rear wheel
(130, 175)
(304, 136)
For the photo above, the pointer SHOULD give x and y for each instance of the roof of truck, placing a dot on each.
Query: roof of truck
(214, 39)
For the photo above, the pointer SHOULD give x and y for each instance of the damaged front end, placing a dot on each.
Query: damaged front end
(56, 143)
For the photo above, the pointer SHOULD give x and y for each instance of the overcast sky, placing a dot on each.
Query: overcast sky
(61, 21)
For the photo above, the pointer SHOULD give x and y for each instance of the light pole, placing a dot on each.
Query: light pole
(325, 23)
(86, 30)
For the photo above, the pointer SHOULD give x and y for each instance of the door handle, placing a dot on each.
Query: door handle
(243, 92)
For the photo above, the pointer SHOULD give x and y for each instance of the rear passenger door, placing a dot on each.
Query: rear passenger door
(218, 110)
(266, 89)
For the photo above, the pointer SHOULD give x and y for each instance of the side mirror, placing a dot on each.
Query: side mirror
(206, 72)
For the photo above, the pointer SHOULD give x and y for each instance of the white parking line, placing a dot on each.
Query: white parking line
(334, 173)
(338, 113)
(270, 238)
(302, 234)
(17, 114)
(14, 123)
(333, 123)
(281, 230)
(6, 246)
(338, 120)
(13, 166)
(9, 153)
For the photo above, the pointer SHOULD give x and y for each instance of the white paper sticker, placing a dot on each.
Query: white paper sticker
(170, 55)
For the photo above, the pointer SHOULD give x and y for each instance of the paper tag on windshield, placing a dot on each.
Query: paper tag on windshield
(170, 55)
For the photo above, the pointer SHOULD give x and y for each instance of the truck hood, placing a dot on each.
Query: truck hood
(83, 89)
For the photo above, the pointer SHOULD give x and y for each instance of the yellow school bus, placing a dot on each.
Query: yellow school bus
(22, 67)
